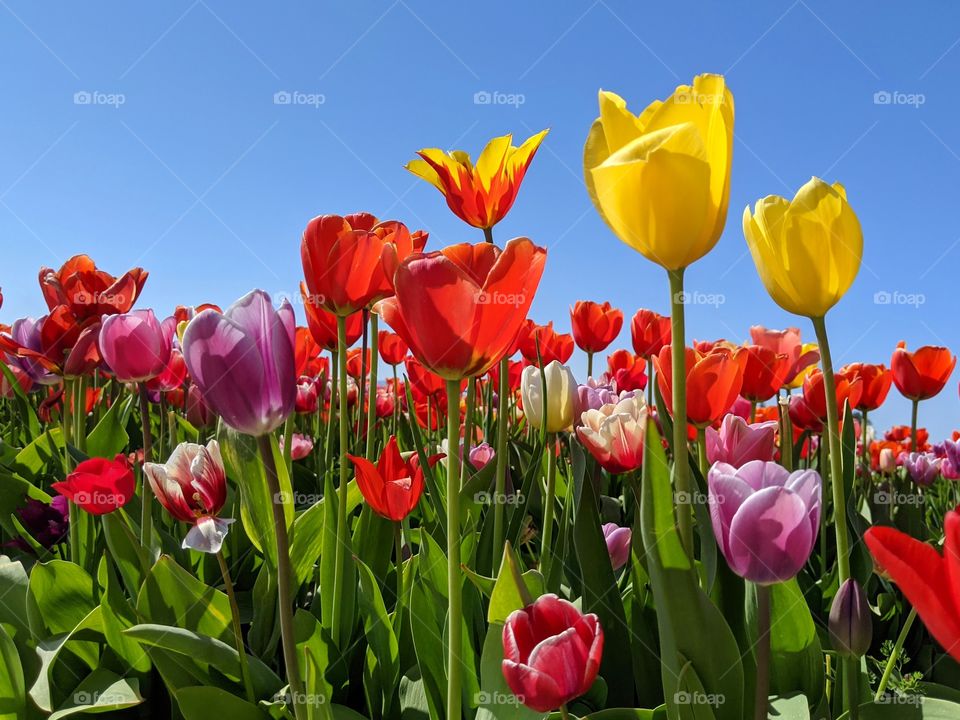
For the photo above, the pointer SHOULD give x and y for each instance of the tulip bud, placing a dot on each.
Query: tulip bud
(851, 628)
(888, 463)
(561, 396)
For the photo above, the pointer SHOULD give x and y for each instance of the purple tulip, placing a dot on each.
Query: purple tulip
(738, 442)
(923, 468)
(243, 362)
(950, 468)
(46, 522)
(618, 544)
(26, 333)
(594, 395)
(765, 518)
(134, 345)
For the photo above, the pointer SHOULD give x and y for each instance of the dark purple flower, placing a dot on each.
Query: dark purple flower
(46, 523)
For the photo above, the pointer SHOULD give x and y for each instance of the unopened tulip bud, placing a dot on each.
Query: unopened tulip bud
(888, 462)
(851, 628)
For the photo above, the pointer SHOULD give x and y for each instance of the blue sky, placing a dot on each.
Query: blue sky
(175, 155)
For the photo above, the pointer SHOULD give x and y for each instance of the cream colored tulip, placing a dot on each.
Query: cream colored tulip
(561, 396)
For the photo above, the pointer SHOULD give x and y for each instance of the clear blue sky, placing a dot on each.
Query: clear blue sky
(200, 177)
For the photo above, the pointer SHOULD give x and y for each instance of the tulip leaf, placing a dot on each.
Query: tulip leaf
(321, 664)
(172, 596)
(495, 700)
(100, 692)
(12, 689)
(14, 584)
(790, 707)
(118, 615)
(384, 651)
(14, 492)
(507, 595)
(913, 708)
(130, 557)
(196, 703)
(45, 692)
(110, 436)
(45, 451)
(691, 627)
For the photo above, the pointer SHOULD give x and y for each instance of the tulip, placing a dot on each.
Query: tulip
(308, 395)
(301, 447)
(57, 345)
(887, 461)
(803, 416)
(923, 468)
(24, 334)
(47, 523)
(21, 380)
(848, 388)
(99, 485)
(851, 628)
(649, 332)
(807, 250)
(594, 327)
(593, 395)
(927, 579)
(561, 396)
(358, 363)
(392, 487)
(480, 455)
(614, 434)
(89, 292)
(323, 324)
(551, 653)
(618, 544)
(460, 309)
(480, 194)
(192, 487)
(627, 370)
(738, 442)
(875, 381)
(198, 412)
(765, 518)
(392, 348)
(423, 383)
(243, 362)
(764, 373)
(802, 357)
(713, 383)
(921, 374)
(552, 345)
(134, 345)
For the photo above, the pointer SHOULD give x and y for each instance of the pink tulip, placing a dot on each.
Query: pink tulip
(765, 518)
(481, 454)
(302, 446)
(618, 544)
(614, 433)
(738, 442)
(923, 468)
(134, 345)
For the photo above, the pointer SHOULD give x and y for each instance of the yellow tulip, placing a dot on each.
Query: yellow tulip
(807, 250)
(661, 179)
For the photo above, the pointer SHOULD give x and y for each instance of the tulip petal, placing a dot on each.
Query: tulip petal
(770, 536)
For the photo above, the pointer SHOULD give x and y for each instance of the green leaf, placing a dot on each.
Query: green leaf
(13, 692)
(130, 557)
(172, 596)
(196, 703)
(912, 708)
(496, 701)
(792, 707)
(45, 451)
(60, 596)
(110, 436)
(44, 691)
(14, 491)
(507, 596)
(101, 691)
(384, 655)
(117, 615)
(14, 585)
(307, 543)
(28, 417)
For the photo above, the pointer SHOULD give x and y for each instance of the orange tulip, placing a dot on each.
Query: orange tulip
(921, 374)
(649, 332)
(553, 345)
(323, 324)
(713, 382)
(849, 389)
(358, 362)
(764, 373)
(876, 381)
(460, 309)
(482, 194)
(89, 292)
(786, 342)
(595, 326)
(392, 347)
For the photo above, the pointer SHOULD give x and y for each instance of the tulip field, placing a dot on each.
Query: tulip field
(412, 508)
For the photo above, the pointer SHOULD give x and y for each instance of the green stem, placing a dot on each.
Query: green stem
(702, 460)
(80, 414)
(763, 653)
(914, 411)
(146, 515)
(66, 421)
(288, 446)
(340, 560)
(549, 501)
(681, 474)
(454, 589)
(398, 549)
(864, 448)
(650, 381)
(589, 364)
(331, 414)
(284, 578)
(500, 491)
(467, 431)
(895, 655)
(237, 630)
(372, 399)
(564, 713)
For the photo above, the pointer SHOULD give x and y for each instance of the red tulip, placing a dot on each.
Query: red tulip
(553, 346)
(713, 383)
(595, 326)
(358, 362)
(764, 373)
(392, 348)
(306, 350)
(323, 324)
(875, 381)
(98, 485)
(423, 383)
(649, 332)
(349, 262)
(308, 393)
(173, 376)
(88, 292)
(460, 309)
(628, 371)
(55, 345)
(551, 653)
(848, 389)
(928, 580)
(921, 374)
(392, 487)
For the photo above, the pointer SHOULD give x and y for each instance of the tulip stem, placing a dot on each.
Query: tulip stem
(564, 713)
(488, 234)
(468, 430)
(73, 516)
(914, 411)
(549, 502)
(454, 587)
(398, 545)
(702, 460)
(341, 554)
(864, 448)
(237, 630)
(503, 388)
(681, 473)
(146, 514)
(763, 653)
(372, 394)
(895, 655)
(288, 446)
(589, 364)
(284, 578)
(331, 414)
(650, 383)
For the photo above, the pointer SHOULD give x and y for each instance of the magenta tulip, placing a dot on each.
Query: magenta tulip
(134, 345)
(765, 518)
(738, 442)
(302, 446)
(923, 468)
(551, 653)
(618, 544)
(243, 362)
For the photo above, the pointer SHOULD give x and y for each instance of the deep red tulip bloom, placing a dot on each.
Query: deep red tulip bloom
(713, 383)
(423, 383)
(649, 332)
(392, 348)
(392, 487)
(99, 485)
(595, 326)
(56, 345)
(764, 373)
(358, 362)
(921, 374)
(551, 653)
(930, 581)
(198, 411)
(323, 324)
(553, 345)
(308, 394)
(460, 309)
(875, 383)
(849, 389)
(628, 371)
(803, 417)
(349, 262)
(89, 292)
